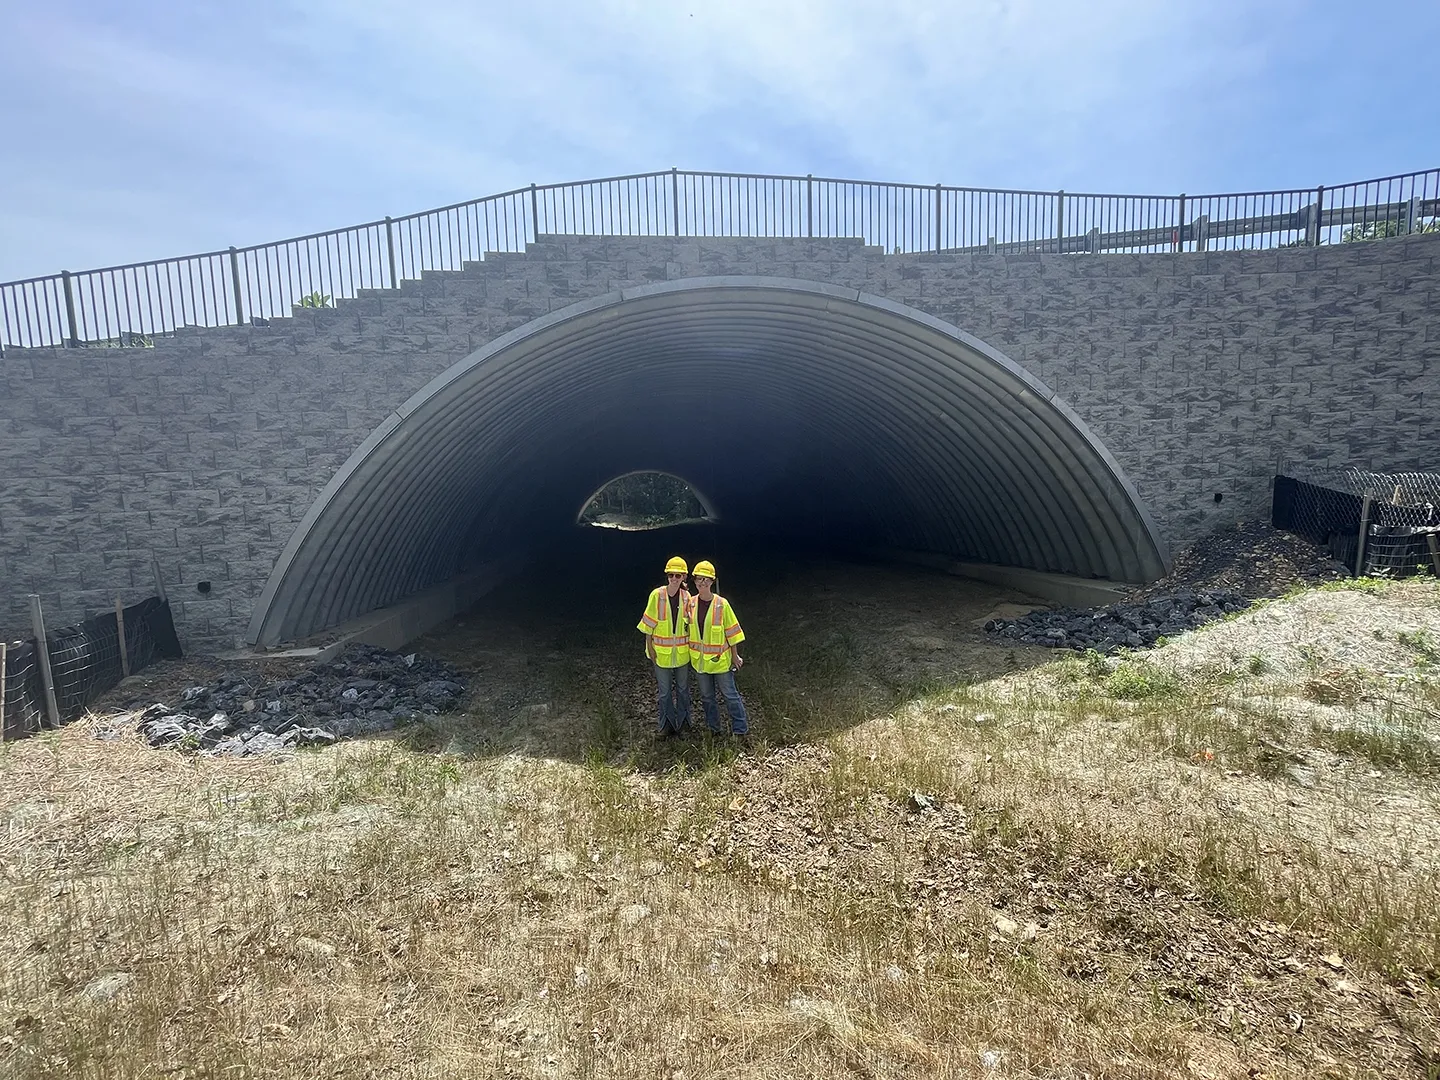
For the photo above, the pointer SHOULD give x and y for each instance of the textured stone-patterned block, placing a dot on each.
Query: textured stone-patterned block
(1202, 372)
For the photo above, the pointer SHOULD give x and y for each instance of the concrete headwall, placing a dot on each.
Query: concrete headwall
(1201, 372)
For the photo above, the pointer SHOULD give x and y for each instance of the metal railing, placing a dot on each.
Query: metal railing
(129, 305)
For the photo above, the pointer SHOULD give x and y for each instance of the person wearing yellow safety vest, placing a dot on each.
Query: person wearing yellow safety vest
(715, 638)
(665, 625)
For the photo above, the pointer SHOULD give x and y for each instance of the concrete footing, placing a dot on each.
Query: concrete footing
(1061, 589)
(396, 626)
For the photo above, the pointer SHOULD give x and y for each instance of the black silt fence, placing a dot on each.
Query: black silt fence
(1400, 537)
(24, 705)
(84, 663)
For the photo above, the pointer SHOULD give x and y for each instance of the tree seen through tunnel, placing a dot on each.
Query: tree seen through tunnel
(644, 500)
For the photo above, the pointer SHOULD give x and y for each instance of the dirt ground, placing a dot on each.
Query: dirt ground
(940, 855)
(545, 654)
(541, 666)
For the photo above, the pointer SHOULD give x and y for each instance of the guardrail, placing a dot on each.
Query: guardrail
(120, 306)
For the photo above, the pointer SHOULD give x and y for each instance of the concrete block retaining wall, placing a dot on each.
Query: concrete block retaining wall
(1201, 372)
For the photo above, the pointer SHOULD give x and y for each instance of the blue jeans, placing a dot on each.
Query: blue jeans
(674, 709)
(739, 723)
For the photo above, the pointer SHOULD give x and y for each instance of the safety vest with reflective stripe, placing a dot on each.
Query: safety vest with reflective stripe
(672, 640)
(710, 644)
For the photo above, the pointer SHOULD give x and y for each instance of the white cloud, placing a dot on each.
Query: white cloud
(197, 126)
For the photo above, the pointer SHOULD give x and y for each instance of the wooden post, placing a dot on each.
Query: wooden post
(42, 649)
(1360, 541)
(1434, 554)
(159, 581)
(120, 629)
(2, 691)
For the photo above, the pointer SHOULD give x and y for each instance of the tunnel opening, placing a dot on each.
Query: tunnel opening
(643, 500)
(812, 413)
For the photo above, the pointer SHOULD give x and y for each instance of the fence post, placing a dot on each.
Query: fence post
(1180, 225)
(73, 341)
(1060, 220)
(42, 649)
(1202, 232)
(120, 631)
(1410, 209)
(2, 687)
(159, 580)
(938, 211)
(1314, 236)
(810, 205)
(1360, 540)
(1430, 540)
(235, 284)
(675, 197)
(390, 248)
(535, 212)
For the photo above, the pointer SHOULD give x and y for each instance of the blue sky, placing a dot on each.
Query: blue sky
(138, 130)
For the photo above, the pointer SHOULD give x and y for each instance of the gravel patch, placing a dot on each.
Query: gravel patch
(363, 691)
(1390, 631)
(1251, 558)
(1216, 576)
(1121, 626)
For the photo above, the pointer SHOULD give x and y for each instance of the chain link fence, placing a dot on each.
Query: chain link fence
(1379, 524)
(85, 662)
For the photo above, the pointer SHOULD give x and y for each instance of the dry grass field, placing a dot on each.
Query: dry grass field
(1217, 859)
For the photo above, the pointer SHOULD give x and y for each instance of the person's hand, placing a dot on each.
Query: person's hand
(739, 662)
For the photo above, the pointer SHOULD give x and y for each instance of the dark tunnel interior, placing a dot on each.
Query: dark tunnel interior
(801, 411)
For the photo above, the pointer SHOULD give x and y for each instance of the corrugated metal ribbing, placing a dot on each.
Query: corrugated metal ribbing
(800, 407)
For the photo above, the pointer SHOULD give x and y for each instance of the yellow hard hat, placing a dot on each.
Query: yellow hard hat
(677, 566)
(705, 568)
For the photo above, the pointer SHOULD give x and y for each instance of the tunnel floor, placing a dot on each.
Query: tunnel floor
(557, 667)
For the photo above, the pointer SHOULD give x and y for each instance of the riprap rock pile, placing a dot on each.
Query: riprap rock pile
(361, 691)
(1121, 625)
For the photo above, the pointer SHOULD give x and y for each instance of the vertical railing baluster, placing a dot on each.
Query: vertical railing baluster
(195, 288)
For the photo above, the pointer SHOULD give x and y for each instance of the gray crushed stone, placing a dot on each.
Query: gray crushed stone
(362, 691)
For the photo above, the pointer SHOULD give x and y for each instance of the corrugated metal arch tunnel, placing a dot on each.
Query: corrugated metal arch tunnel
(800, 408)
